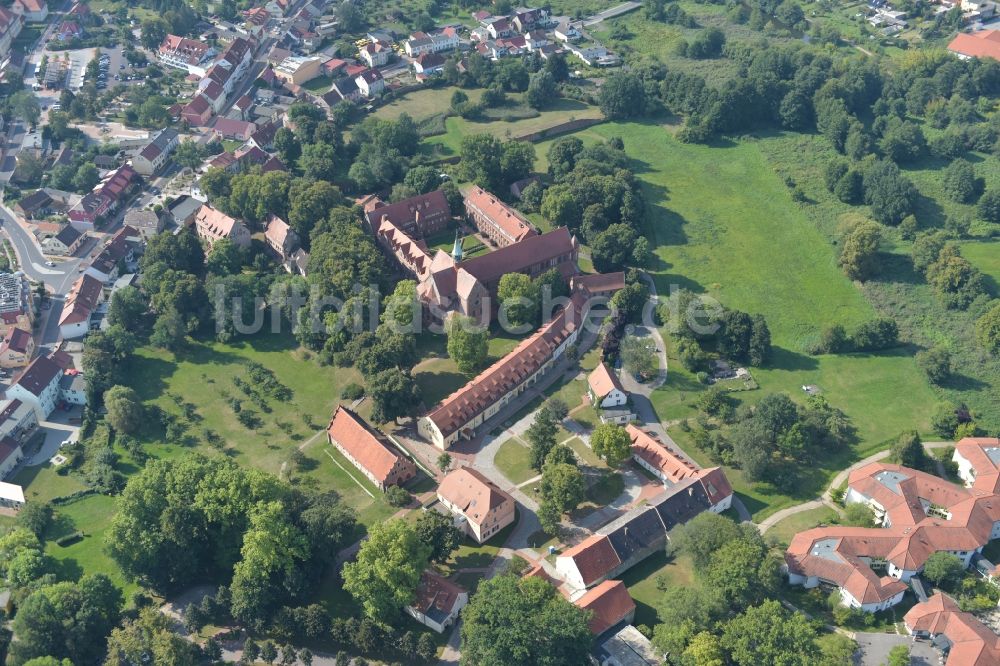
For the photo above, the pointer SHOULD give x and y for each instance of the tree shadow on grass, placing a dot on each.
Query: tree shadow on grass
(437, 385)
(928, 212)
(790, 361)
(897, 268)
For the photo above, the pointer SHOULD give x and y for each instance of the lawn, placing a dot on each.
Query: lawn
(647, 580)
(42, 484)
(422, 103)
(320, 85)
(438, 376)
(785, 529)
(92, 516)
(985, 257)
(512, 459)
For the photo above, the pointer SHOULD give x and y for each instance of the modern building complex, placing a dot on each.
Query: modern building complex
(369, 450)
(920, 514)
(481, 509)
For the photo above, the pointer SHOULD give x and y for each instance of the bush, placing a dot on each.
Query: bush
(352, 391)
(397, 497)
(69, 539)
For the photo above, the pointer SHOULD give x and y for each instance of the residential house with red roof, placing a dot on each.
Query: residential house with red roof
(920, 514)
(610, 605)
(154, 155)
(212, 225)
(481, 509)
(370, 82)
(496, 220)
(237, 130)
(981, 44)
(86, 294)
(369, 450)
(105, 198)
(421, 43)
(38, 386)
(186, 54)
(375, 54)
(604, 388)
(437, 602)
(16, 349)
(197, 112)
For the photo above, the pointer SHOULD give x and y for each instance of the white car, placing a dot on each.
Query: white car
(50, 263)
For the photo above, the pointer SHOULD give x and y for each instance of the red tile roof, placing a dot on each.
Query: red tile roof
(474, 494)
(602, 381)
(594, 558)
(509, 372)
(514, 225)
(982, 44)
(977, 451)
(610, 603)
(39, 375)
(18, 341)
(364, 444)
(972, 642)
(412, 212)
(675, 467)
(963, 522)
(81, 300)
(436, 592)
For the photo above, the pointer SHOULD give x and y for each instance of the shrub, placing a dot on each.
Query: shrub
(397, 496)
(352, 391)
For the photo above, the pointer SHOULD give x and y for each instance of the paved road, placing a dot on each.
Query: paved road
(618, 10)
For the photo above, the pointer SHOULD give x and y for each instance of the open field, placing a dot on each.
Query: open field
(425, 102)
(751, 247)
(42, 484)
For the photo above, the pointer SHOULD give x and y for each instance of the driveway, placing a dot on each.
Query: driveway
(57, 430)
(873, 650)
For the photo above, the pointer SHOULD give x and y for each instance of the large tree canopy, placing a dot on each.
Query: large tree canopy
(512, 621)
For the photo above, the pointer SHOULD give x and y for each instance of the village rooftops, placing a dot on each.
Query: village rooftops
(68, 235)
(18, 341)
(414, 213)
(533, 250)
(594, 557)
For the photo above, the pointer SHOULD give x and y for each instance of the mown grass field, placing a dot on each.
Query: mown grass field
(438, 376)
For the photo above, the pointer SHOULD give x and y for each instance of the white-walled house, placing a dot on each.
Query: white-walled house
(438, 602)
(605, 389)
(38, 386)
